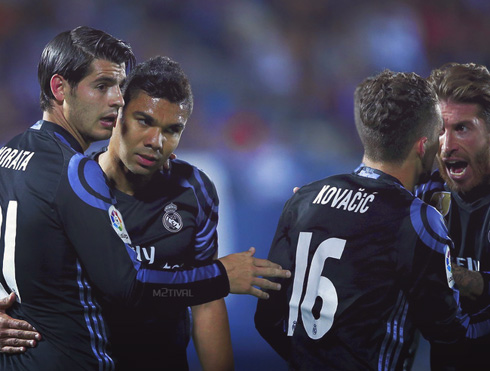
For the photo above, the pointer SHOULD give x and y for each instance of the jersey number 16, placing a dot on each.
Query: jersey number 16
(317, 287)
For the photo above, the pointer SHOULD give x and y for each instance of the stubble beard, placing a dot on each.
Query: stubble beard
(481, 169)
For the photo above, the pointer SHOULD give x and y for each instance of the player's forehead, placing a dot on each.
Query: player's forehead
(102, 69)
(159, 109)
(456, 112)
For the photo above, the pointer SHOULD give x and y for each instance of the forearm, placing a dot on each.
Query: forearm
(469, 283)
(211, 335)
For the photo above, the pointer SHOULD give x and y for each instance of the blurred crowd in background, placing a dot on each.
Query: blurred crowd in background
(273, 84)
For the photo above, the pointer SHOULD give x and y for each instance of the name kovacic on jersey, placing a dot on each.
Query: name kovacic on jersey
(346, 199)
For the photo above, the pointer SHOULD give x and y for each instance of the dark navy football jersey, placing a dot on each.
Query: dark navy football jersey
(62, 241)
(370, 263)
(468, 221)
(173, 223)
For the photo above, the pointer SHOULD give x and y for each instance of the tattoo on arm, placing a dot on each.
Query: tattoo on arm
(469, 283)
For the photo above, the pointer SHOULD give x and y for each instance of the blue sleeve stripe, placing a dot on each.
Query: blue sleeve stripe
(394, 337)
(132, 254)
(179, 277)
(206, 232)
(429, 225)
(197, 175)
(88, 182)
(62, 139)
(476, 330)
(207, 253)
(94, 321)
(200, 212)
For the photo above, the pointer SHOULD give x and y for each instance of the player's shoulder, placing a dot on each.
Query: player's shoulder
(434, 184)
(87, 180)
(191, 173)
(429, 225)
(336, 180)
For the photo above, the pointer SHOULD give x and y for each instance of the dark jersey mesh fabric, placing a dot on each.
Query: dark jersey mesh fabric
(370, 263)
(172, 224)
(62, 242)
(468, 221)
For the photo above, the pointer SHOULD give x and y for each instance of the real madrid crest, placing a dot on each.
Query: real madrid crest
(171, 220)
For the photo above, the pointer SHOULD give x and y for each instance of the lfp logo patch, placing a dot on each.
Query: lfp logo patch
(449, 272)
(118, 224)
(116, 220)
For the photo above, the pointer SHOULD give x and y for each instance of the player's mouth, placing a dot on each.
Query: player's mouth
(147, 160)
(456, 169)
(109, 120)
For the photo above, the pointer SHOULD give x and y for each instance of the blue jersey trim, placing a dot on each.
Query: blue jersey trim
(62, 139)
(179, 277)
(394, 338)
(429, 225)
(95, 323)
(87, 181)
(204, 241)
(206, 233)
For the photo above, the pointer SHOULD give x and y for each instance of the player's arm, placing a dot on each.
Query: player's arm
(245, 272)
(96, 229)
(469, 283)
(211, 335)
(15, 335)
(434, 300)
(271, 316)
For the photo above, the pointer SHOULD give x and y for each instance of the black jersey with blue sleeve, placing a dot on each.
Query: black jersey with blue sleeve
(173, 225)
(63, 243)
(370, 263)
(468, 219)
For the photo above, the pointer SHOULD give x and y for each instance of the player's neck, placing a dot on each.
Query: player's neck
(118, 175)
(56, 117)
(404, 172)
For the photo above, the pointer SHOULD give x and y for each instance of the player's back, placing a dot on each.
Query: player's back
(356, 246)
(38, 260)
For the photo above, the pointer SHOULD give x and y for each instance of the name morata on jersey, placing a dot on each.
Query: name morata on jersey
(64, 245)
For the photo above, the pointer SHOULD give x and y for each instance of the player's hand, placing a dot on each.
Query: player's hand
(166, 164)
(15, 335)
(244, 272)
(295, 189)
(469, 283)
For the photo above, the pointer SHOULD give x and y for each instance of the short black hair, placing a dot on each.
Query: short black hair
(394, 110)
(71, 53)
(159, 77)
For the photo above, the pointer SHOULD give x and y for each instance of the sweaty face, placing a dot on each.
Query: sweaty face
(464, 153)
(148, 131)
(91, 107)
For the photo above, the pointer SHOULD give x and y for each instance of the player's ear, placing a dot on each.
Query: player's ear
(421, 146)
(58, 85)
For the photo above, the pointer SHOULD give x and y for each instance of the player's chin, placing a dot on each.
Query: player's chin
(461, 185)
(103, 133)
(143, 170)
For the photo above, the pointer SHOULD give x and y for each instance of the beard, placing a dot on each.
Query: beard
(480, 164)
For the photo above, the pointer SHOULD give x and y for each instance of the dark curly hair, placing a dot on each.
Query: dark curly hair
(159, 77)
(393, 110)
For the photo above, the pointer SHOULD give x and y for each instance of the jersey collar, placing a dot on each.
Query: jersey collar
(59, 132)
(369, 172)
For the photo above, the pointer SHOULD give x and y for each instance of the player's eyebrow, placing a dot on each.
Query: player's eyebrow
(106, 79)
